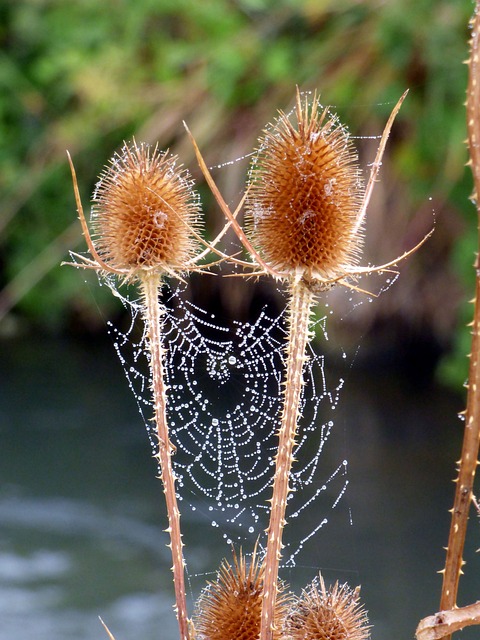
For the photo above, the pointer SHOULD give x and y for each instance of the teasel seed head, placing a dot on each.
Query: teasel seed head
(305, 194)
(230, 608)
(145, 212)
(327, 614)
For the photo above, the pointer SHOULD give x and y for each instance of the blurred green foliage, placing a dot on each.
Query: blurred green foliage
(85, 75)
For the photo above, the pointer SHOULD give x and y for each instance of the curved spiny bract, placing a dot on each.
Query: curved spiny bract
(305, 195)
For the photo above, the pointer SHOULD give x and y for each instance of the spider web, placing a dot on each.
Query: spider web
(224, 401)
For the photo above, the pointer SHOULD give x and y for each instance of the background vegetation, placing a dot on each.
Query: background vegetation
(87, 75)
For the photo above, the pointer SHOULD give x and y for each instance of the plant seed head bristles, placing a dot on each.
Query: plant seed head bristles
(144, 211)
(230, 608)
(327, 614)
(305, 194)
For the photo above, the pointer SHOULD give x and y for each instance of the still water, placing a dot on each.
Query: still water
(81, 512)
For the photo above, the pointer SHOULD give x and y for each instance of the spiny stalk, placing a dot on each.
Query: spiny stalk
(298, 321)
(468, 460)
(144, 221)
(305, 208)
(451, 618)
(153, 316)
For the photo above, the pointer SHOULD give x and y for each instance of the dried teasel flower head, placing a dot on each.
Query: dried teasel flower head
(230, 608)
(305, 195)
(327, 614)
(305, 202)
(145, 214)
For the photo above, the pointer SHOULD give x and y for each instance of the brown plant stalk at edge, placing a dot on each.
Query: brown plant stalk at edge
(450, 618)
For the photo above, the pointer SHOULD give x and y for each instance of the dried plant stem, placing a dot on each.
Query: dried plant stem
(153, 316)
(299, 315)
(466, 470)
(450, 618)
(468, 460)
(444, 623)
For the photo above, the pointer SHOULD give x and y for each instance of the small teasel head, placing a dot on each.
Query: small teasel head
(145, 213)
(305, 194)
(230, 608)
(327, 614)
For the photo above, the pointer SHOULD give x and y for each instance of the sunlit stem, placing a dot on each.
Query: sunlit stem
(444, 623)
(298, 319)
(471, 440)
(153, 316)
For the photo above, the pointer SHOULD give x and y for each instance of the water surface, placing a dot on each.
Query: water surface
(81, 513)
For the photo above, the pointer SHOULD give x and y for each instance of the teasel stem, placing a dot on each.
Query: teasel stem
(145, 222)
(468, 461)
(301, 300)
(305, 208)
(153, 317)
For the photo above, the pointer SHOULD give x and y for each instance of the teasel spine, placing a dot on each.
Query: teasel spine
(300, 305)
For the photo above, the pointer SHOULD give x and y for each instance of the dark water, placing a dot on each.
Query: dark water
(81, 512)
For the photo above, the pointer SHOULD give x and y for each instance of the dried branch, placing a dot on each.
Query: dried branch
(451, 618)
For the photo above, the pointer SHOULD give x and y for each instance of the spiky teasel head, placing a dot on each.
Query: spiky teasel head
(305, 194)
(230, 608)
(144, 210)
(145, 214)
(327, 614)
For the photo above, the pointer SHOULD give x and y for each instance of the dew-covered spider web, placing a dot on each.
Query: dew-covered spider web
(224, 402)
(225, 384)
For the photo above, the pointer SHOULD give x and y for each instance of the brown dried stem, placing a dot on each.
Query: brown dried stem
(428, 628)
(444, 623)
(468, 460)
(299, 315)
(153, 312)
(144, 224)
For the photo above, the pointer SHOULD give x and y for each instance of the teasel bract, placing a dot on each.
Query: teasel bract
(305, 208)
(145, 226)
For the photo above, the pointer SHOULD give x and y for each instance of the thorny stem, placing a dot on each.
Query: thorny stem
(471, 440)
(153, 316)
(468, 460)
(299, 315)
